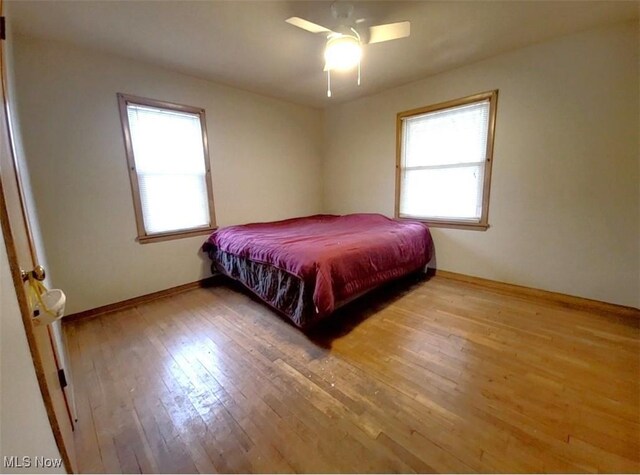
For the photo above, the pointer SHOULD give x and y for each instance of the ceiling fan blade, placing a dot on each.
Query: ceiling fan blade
(390, 31)
(307, 25)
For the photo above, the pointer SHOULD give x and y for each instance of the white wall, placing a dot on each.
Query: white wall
(565, 197)
(24, 425)
(265, 154)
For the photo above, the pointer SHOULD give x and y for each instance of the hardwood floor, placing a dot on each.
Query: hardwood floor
(433, 376)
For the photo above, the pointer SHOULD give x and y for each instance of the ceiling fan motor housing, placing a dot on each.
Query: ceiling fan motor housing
(342, 10)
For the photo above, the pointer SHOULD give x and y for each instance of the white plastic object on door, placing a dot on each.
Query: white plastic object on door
(47, 306)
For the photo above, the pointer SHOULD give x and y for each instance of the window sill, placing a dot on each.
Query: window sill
(449, 224)
(149, 238)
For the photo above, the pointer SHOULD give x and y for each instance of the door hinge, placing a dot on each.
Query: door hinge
(62, 378)
(3, 29)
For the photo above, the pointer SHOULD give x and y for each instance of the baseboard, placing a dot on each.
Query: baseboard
(130, 303)
(500, 287)
(580, 303)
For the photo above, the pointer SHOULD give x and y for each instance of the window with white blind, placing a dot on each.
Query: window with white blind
(168, 160)
(444, 162)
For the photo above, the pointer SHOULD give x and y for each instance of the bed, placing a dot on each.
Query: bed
(306, 268)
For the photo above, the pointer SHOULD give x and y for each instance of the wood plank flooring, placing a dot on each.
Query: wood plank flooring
(429, 376)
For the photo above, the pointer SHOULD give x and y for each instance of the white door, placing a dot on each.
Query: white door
(47, 348)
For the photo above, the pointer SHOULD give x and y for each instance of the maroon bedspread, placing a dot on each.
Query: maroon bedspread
(338, 256)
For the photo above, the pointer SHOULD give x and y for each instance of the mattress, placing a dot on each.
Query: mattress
(308, 267)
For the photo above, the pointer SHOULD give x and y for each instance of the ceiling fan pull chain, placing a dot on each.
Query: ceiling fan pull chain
(328, 83)
(358, 73)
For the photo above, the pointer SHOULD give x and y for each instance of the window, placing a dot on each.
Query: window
(166, 146)
(444, 160)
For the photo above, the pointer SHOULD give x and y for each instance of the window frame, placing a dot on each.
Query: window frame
(143, 237)
(483, 223)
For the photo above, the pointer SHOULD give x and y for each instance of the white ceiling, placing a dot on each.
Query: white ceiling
(247, 44)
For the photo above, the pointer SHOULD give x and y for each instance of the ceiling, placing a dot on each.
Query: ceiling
(247, 44)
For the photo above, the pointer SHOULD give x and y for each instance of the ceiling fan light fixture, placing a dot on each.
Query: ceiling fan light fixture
(343, 52)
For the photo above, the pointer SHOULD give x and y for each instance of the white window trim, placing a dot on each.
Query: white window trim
(483, 223)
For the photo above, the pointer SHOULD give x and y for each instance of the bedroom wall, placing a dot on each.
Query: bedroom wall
(265, 157)
(565, 197)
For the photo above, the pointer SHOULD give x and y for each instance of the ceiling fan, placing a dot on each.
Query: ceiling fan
(343, 50)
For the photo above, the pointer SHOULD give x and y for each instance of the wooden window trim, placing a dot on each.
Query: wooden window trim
(168, 236)
(144, 237)
(483, 223)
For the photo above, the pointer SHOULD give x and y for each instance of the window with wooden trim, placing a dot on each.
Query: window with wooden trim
(168, 159)
(444, 157)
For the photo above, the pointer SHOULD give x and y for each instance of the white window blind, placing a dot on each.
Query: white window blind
(170, 165)
(443, 163)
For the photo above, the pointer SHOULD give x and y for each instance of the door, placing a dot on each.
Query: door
(22, 257)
